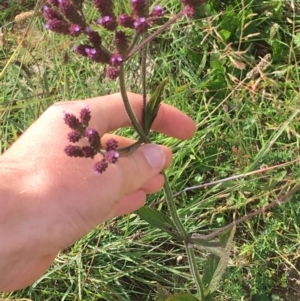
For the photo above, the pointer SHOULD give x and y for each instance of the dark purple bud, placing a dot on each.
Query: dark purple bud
(73, 151)
(50, 13)
(70, 12)
(81, 49)
(141, 25)
(53, 2)
(139, 8)
(108, 23)
(94, 37)
(93, 138)
(121, 41)
(190, 11)
(126, 21)
(105, 7)
(72, 121)
(98, 55)
(111, 144)
(85, 115)
(116, 60)
(75, 30)
(113, 72)
(74, 137)
(88, 152)
(157, 11)
(101, 166)
(112, 156)
(58, 26)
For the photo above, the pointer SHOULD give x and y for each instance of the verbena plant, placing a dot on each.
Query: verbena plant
(210, 77)
(130, 35)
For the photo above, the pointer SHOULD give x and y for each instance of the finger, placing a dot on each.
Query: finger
(108, 114)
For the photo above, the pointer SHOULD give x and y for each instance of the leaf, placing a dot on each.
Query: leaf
(216, 265)
(159, 220)
(182, 297)
(153, 105)
(162, 293)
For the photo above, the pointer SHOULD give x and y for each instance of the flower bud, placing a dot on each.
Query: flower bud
(126, 21)
(94, 37)
(105, 7)
(50, 13)
(58, 26)
(88, 152)
(139, 8)
(141, 25)
(93, 138)
(100, 166)
(121, 41)
(111, 144)
(116, 60)
(85, 115)
(75, 30)
(108, 23)
(73, 151)
(113, 72)
(74, 136)
(70, 12)
(82, 49)
(98, 55)
(72, 121)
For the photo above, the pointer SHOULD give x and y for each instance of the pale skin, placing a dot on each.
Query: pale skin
(48, 200)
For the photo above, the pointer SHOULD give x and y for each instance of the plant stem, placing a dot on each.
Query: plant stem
(180, 228)
(128, 108)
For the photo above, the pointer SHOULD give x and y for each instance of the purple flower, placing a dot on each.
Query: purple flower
(50, 13)
(111, 144)
(69, 10)
(74, 136)
(121, 41)
(88, 152)
(139, 8)
(108, 23)
(157, 11)
(141, 25)
(85, 115)
(72, 121)
(97, 55)
(73, 151)
(94, 37)
(93, 138)
(81, 49)
(105, 7)
(75, 30)
(58, 26)
(113, 72)
(100, 166)
(116, 60)
(111, 156)
(126, 21)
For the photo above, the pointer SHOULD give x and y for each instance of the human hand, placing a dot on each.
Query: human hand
(51, 200)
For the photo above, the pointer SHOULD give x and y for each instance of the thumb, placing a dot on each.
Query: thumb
(138, 171)
(141, 166)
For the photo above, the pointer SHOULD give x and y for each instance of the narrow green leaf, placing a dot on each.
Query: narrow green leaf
(153, 105)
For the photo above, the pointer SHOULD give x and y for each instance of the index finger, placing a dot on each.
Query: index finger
(109, 114)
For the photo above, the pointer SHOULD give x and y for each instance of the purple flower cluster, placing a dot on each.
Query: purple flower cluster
(66, 17)
(80, 130)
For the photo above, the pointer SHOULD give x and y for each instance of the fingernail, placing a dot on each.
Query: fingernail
(155, 155)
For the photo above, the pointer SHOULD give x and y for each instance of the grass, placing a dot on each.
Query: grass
(244, 124)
